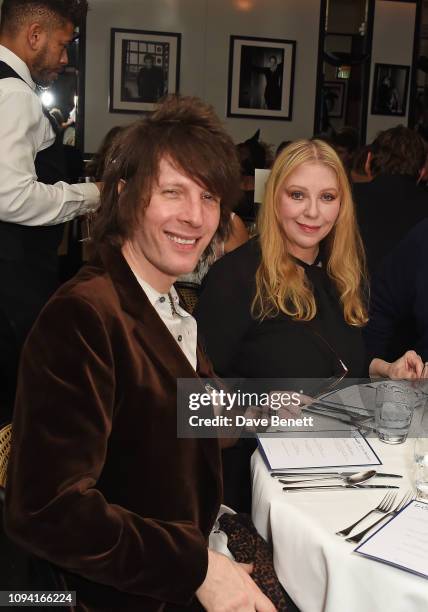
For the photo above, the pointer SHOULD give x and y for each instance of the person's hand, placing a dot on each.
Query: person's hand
(99, 185)
(228, 587)
(408, 366)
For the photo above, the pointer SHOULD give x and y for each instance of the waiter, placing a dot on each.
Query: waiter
(35, 201)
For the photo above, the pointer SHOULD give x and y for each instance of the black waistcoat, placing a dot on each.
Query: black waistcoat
(19, 242)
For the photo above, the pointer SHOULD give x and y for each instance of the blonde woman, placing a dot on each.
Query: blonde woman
(290, 302)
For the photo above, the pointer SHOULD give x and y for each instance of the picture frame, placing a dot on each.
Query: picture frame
(144, 66)
(390, 90)
(261, 77)
(334, 93)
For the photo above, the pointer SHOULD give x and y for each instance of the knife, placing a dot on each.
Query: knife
(338, 487)
(291, 474)
(357, 410)
(357, 423)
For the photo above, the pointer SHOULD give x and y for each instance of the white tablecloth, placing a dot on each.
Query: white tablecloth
(319, 570)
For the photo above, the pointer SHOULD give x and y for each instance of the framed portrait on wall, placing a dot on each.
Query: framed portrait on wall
(334, 98)
(390, 88)
(144, 66)
(261, 77)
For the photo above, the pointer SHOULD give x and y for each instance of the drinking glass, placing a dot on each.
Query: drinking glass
(395, 403)
(87, 219)
(421, 455)
(421, 467)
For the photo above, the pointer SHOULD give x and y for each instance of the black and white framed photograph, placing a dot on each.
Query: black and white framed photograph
(334, 98)
(261, 77)
(390, 89)
(144, 67)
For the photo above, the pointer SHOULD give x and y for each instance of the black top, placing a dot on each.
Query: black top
(387, 208)
(399, 300)
(279, 347)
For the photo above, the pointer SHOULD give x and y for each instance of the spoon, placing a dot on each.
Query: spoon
(351, 480)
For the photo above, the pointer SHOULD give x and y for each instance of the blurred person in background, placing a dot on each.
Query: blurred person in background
(252, 154)
(345, 142)
(281, 147)
(360, 172)
(96, 167)
(394, 200)
(399, 299)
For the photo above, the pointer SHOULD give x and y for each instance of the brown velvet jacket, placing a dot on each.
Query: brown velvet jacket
(98, 482)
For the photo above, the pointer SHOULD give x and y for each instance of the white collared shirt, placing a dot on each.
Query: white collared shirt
(179, 322)
(24, 131)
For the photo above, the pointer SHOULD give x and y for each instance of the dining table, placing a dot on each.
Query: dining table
(320, 570)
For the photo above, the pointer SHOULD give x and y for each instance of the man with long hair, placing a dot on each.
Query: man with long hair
(127, 507)
(34, 199)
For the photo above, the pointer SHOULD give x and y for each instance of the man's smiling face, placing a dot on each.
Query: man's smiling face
(176, 227)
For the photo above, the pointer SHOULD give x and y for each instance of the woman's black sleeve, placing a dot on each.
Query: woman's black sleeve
(223, 312)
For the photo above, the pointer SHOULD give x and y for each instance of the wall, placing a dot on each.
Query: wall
(393, 33)
(206, 26)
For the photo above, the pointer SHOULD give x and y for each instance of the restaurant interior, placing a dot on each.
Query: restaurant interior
(309, 301)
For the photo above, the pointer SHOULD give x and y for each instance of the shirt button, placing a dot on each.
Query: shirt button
(161, 300)
(180, 338)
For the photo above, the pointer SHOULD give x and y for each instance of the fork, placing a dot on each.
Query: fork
(384, 506)
(407, 497)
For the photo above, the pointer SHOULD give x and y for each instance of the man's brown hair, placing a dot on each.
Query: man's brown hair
(15, 13)
(398, 150)
(185, 131)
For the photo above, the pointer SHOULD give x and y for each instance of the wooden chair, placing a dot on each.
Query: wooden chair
(5, 442)
(20, 569)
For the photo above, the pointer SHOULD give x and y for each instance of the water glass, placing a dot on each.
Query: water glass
(395, 403)
(421, 467)
(421, 455)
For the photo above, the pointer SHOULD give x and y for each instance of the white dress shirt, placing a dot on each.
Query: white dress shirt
(179, 322)
(24, 131)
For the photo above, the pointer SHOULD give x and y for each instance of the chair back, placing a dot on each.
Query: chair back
(20, 569)
(5, 443)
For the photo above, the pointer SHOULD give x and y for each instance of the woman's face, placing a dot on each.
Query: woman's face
(308, 208)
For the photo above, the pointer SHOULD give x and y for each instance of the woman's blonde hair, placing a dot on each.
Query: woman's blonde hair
(280, 284)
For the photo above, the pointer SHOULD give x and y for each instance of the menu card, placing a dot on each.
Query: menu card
(403, 542)
(281, 453)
